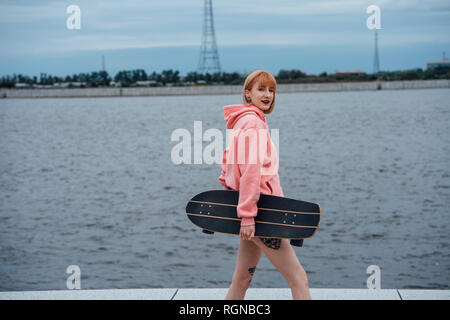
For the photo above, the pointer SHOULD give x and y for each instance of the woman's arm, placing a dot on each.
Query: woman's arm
(250, 180)
(249, 190)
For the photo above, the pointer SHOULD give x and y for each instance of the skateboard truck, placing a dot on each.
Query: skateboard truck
(297, 242)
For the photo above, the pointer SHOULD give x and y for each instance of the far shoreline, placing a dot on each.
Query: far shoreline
(217, 89)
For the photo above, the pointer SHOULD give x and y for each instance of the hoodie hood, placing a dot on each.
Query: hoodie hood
(235, 112)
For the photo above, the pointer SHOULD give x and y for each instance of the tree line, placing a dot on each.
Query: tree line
(129, 78)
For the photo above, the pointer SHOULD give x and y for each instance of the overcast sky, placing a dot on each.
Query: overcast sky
(311, 35)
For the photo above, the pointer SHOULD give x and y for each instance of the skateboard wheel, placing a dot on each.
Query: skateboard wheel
(207, 231)
(297, 242)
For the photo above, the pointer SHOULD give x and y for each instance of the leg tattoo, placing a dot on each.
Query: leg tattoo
(251, 271)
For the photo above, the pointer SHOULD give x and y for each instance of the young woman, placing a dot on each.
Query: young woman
(251, 178)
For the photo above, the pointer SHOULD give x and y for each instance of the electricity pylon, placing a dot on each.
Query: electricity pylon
(209, 56)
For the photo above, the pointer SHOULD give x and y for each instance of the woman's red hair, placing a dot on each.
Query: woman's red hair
(265, 79)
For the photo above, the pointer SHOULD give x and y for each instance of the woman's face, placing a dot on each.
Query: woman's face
(261, 96)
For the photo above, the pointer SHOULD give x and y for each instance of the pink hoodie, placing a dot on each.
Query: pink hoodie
(239, 172)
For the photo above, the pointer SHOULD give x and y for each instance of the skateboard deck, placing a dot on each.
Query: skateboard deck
(278, 217)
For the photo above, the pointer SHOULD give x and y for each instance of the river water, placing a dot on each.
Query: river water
(91, 182)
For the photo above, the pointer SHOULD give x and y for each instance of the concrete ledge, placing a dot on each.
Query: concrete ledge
(354, 294)
(106, 294)
(424, 294)
(285, 294)
(220, 293)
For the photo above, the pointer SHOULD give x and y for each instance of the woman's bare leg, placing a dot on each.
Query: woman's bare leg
(247, 259)
(286, 261)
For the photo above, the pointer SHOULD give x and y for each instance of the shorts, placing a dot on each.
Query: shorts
(272, 243)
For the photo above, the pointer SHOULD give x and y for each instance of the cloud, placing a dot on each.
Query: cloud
(36, 27)
(326, 7)
(12, 12)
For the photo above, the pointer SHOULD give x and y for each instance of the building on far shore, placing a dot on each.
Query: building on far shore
(47, 86)
(349, 72)
(69, 84)
(146, 83)
(435, 64)
(21, 85)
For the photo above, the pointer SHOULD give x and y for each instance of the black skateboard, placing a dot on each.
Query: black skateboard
(278, 217)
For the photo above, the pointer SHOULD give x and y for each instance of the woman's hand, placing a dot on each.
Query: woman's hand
(247, 232)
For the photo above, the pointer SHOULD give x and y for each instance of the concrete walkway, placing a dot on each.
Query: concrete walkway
(219, 294)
